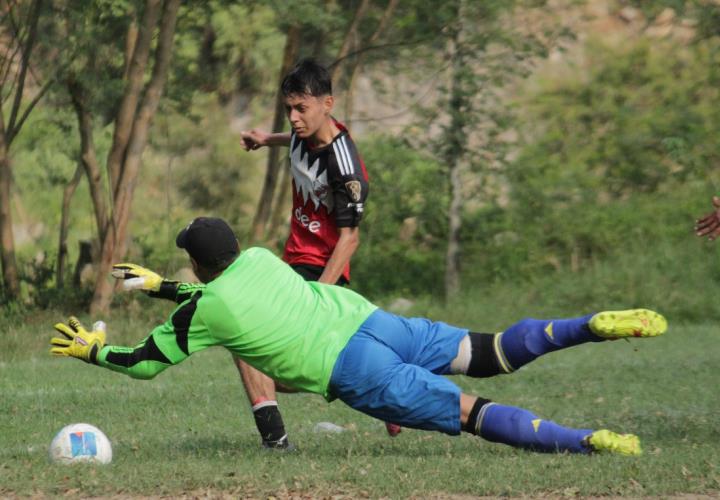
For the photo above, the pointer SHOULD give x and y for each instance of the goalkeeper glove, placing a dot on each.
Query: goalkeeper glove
(78, 342)
(137, 278)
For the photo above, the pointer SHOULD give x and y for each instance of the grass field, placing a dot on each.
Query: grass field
(190, 430)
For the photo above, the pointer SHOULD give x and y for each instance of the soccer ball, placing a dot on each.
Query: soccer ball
(80, 443)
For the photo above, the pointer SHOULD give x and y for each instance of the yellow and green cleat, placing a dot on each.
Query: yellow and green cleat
(630, 323)
(612, 442)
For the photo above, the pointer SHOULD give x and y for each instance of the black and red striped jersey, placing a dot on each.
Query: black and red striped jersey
(330, 186)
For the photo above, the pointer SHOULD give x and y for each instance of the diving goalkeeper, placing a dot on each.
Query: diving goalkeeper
(329, 340)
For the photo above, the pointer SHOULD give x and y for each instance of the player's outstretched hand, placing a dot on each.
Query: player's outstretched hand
(77, 342)
(709, 225)
(253, 139)
(137, 277)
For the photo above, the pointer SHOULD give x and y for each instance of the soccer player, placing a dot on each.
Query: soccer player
(331, 341)
(709, 224)
(330, 187)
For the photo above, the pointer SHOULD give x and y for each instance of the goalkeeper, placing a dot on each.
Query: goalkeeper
(329, 340)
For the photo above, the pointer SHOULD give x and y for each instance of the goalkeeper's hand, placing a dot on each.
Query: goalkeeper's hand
(137, 278)
(78, 342)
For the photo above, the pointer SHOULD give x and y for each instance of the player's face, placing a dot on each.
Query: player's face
(307, 113)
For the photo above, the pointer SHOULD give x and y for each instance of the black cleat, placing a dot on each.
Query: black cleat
(282, 444)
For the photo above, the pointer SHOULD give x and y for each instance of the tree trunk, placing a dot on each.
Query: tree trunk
(114, 245)
(452, 255)
(130, 43)
(455, 151)
(262, 214)
(281, 212)
(10, 275)
(33, 18)
(68, 193)
(88, 159)
(133, 89)
(11, 282)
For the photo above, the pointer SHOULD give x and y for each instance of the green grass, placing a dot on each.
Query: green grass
(190, 430)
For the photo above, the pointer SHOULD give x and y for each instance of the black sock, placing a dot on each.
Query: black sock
(269, 422)
(483, 362)
(471, 424)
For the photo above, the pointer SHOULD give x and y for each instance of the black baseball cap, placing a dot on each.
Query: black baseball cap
(208, 240)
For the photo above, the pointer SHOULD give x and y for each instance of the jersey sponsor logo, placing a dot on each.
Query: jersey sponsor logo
(355, 189)
(312, 225)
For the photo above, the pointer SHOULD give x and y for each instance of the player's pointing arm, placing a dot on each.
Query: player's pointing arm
(255, 139)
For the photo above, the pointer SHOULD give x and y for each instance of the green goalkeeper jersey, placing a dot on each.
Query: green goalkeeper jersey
(262, 311)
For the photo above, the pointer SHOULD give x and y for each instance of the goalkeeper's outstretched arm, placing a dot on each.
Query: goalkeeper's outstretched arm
(139, 278)
(168, 344)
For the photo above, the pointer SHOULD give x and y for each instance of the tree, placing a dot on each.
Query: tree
(19, 29)
(455, 145)
(483, 52)
(262, 214)
(137, 108)
(136, 53)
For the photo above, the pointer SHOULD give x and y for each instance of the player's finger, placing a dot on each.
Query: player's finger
(708, 232)
(124, 271)
(65, 330)
(716, 201)
(710, 225)
(704, 231)
(58, 351)
(60, 342)
(75, 324)
(134, 283)
(706, 218)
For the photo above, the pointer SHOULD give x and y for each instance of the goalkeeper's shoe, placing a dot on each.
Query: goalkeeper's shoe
(282, 444)
(630, 323)
(612, 442)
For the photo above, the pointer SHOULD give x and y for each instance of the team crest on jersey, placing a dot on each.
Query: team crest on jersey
(321, 190)
(355, 189)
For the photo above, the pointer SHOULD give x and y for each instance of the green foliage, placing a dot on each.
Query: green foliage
(210, 170)
(616, 162)
(642, 117)
(402, 234)
(226, 47)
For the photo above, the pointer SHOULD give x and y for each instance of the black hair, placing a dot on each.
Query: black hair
(221, 264)
(308, 77)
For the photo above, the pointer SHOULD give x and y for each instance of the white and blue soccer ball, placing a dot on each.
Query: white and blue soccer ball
(80, 443)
